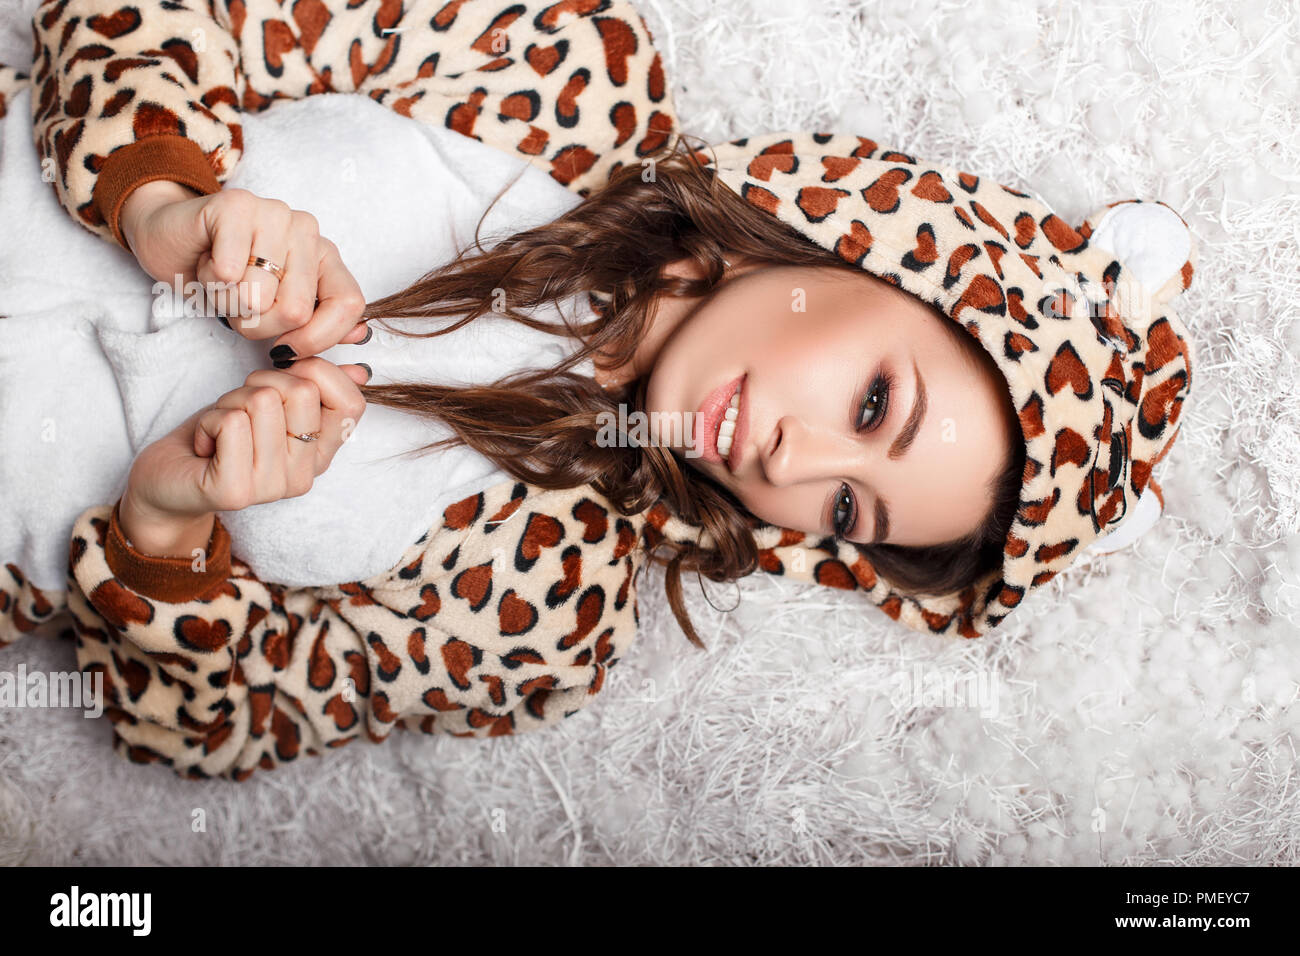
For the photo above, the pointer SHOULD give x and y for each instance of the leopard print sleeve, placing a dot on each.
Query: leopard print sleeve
(576, 89)
(128, 95)
(154, 90)
(11, 81)
(502, 620)
(24, 607)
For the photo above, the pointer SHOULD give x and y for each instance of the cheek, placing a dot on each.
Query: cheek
(796, 508)
(772, 318)
(793, 355)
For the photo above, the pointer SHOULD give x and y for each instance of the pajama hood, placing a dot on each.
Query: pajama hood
(1078, 321)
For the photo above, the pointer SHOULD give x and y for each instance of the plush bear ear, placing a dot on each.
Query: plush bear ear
(1151, 240)
(1136, 523)
(1156, 247)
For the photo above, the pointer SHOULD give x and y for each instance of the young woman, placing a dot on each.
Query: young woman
(865, 418)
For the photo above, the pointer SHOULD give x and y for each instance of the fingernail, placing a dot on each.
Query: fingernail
(369, 333)
(281, 352)
(223, 321)
(369, 374)
(283, 363)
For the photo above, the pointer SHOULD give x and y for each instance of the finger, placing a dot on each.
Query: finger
(342, 404)
(203, 269)
(225, 436)
(229, 223)
(337, 384)
(215, 294)
(359, 374)
(259, 286)
(360, 333)
(206, 430)
(270, 444)
(268, 226)
(206, 274)
(265, 409)
(295, 297)
(339, 306)
(299, 395)
(302, 416)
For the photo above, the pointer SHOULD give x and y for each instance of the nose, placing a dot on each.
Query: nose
(805, 453)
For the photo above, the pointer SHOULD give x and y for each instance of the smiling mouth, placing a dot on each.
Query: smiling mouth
(727, 426)
(721, 424)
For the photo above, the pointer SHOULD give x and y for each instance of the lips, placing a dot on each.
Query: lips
(709, 417)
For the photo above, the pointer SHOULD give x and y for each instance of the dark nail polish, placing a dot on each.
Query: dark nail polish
(283, 363)
(369, 333)
(223, 321)
(369, 373)
(281, 352)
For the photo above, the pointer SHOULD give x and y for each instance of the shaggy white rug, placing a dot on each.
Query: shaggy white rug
(1142, 710)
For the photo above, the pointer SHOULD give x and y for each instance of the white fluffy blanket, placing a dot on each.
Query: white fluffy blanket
(1146, 702)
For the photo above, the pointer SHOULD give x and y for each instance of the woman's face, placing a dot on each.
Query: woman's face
(830, 436)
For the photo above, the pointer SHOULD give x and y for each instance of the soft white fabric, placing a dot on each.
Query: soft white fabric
(1149, 238)
(94, 366)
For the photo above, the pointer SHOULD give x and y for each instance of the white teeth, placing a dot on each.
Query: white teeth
(727, 428)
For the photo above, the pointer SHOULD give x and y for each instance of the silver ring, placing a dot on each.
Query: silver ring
(307, 436)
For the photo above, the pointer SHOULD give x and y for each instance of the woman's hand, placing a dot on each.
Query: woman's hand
(240, 451)
(173, 231)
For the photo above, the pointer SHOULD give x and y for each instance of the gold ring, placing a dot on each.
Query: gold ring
(268, 265)
(306, 436)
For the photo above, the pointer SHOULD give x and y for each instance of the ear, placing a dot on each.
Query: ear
(1136, 523)
(1157, 248)
(686, 268)
(1151, 240)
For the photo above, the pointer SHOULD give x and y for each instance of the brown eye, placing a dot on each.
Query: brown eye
(875, 402)
(845, 505)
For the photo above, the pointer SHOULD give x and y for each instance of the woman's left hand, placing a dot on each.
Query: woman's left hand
(315, 305)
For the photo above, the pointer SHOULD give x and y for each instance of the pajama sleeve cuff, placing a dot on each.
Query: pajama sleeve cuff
(174, 158)
(169, 579)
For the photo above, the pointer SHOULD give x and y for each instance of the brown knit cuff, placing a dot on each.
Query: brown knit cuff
(158, 157)
(170, 579)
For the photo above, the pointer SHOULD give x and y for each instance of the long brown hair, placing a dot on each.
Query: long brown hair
(539, 426)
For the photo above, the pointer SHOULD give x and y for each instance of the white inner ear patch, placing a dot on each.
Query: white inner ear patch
(1137, 522)
(1148, 238)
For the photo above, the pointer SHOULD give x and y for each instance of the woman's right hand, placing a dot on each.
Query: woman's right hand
(241, 451)
(173, 231)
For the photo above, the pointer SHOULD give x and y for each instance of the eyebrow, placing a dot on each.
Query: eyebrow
(900, 446)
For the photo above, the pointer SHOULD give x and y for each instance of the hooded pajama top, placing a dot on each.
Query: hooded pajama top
(507, 615)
